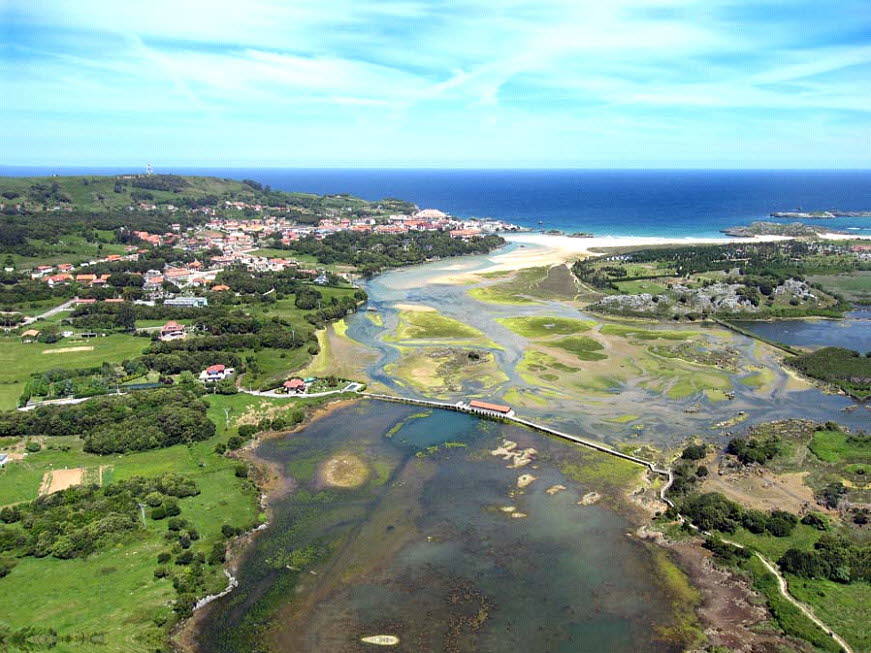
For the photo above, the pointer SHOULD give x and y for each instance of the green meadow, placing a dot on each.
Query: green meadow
(18, 360)
(111, 601)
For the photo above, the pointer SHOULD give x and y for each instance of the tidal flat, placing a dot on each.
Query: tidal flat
(559, 364)
(443, 545)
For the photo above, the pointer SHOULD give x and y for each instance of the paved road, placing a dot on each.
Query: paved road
(66, 306)
(275, 394)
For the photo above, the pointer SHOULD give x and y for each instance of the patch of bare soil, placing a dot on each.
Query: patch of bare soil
(60, 479)
(345, 471)
(763, 490)
(732, 614)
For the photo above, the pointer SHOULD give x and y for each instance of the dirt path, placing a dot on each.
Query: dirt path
(784, 590)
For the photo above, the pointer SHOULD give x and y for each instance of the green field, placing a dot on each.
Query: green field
(788, 617)
(542, 327)
(68, 249)
(844, 607)
(114, 592)
(112, 596)
(836, 447)
(18, 360)
(854, 287)
(640, 286)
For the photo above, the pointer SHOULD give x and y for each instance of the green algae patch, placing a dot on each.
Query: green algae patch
(542, 327)
(446, 370)
(600, 469)
(427, 325)
(496, 295)
(516, 396)
(396, 428)
(345, 470)
(760, 379)
(689, 384)
(645, 334)
(529, 285)
(581, 346)
(623, 419)
(375, 318)
(683, 597)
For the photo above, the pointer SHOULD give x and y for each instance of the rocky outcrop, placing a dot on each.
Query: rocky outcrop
(718, 298)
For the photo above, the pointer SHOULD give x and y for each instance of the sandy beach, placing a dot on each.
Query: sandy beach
(538, 250)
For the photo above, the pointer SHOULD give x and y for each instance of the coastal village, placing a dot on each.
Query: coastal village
(238, 239)
(228, 236)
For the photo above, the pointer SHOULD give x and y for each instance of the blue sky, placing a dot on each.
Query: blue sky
(462, 83)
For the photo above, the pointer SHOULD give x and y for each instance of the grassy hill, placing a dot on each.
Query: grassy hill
(97, 193)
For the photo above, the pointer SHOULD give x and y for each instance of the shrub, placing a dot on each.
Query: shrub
(247, 431)
(176, 524)
(781, 523)
(694, 452)
(816, 520)
(218, 554)
(6, 566)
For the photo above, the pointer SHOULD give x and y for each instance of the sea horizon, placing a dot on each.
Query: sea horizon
(670, 203)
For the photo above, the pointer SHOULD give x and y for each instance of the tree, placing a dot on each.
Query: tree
(694, 452)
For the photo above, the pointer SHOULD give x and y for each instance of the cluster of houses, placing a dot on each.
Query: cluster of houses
(237, 238)
(215, 373)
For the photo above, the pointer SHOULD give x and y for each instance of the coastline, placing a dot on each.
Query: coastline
(270, 484)
(534, 249)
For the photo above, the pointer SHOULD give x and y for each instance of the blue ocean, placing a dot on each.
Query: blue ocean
(604, 202)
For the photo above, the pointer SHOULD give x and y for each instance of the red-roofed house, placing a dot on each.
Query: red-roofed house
(216, 373)
(55, 279)
(296, 386)
(172, 330)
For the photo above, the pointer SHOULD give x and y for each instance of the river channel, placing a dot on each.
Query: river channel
(431, 540)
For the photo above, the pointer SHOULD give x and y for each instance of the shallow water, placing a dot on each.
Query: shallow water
(423, 551)
(852, 332)
(665, 421)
